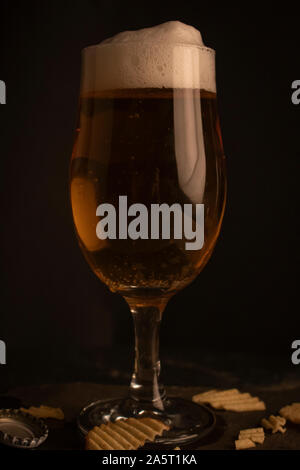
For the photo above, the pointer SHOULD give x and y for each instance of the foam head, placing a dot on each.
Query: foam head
(170, 55)
(170, 32)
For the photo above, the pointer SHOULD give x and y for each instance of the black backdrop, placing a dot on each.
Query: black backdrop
(54, 311)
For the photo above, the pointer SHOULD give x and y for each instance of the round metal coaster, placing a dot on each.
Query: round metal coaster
(22, 430)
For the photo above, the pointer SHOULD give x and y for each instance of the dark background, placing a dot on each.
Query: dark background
(58, 321)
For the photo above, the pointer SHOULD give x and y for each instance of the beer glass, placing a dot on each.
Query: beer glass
(150, 139)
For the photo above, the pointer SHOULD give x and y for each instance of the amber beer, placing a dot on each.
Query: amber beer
(148, 137)
(130, 142)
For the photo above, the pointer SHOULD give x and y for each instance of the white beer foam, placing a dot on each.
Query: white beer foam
(170, 55)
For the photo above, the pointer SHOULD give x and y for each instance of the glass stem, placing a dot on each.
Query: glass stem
(145, 386)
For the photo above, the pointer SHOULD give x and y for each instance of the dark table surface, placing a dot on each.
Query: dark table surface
(79, 378)
(71, 397)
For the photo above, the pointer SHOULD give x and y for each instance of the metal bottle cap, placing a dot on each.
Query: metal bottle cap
(22, 430)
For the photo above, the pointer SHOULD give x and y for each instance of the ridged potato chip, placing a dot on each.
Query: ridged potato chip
(275, 423)
(256, 435)
(230, 400)
(291, 412)
(242, 444)
(125, 434)
(44, 412)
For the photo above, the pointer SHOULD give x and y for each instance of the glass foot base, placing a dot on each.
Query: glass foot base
(188, 421)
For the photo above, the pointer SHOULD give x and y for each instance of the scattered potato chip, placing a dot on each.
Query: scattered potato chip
(127, 434)
(231, 400)
(291, 412)
(256, 435)
(204, 396)
(44, 412)
(242, 444)
(275, 423)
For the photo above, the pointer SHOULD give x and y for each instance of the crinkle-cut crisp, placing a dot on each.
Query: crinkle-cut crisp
(274, 423)
(248, 438)
(291, 412)
(125, 434)
(242, 444)
(256, 435)
(231, 400)
(44, 412)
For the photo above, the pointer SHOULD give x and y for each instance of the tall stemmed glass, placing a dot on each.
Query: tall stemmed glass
(147, 140)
